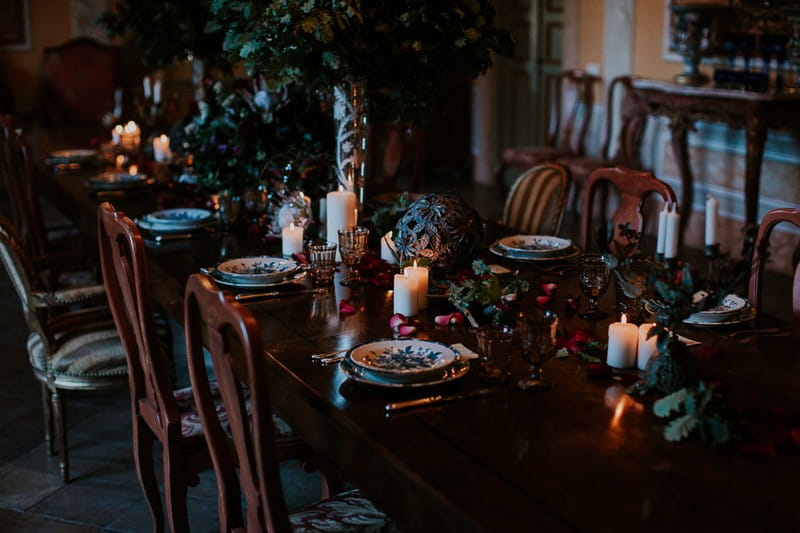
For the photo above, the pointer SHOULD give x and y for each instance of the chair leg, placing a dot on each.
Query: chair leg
(175, 487)
(48, 420)
(143, 460)
(60, 415)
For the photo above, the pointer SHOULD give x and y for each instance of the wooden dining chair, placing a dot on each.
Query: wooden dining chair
(215, 320)
(159, 412)
(758, 266)
(537, 200)
(633, 186)
(78, 79)
(55, 249)
(570, 100)
(632, 121)
(70, 348)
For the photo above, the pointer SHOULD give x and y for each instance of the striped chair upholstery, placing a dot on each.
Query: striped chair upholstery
(69, 348)
(536, 202)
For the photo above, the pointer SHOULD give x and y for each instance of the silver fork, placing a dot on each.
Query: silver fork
(321, 357)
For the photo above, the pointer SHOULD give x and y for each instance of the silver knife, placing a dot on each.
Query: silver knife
(164, 237)
(273, 294)
(439, 398)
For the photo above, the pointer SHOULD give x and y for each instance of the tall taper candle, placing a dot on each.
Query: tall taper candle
(662, 230)
(712, 214)
(672, 234)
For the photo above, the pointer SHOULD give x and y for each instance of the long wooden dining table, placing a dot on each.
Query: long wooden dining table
(583, 455)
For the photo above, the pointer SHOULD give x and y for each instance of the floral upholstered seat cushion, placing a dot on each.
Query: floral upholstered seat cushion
(91, 354)
(344, 512)
(190, 417)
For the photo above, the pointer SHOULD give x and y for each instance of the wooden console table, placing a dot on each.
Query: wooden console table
(753, 111)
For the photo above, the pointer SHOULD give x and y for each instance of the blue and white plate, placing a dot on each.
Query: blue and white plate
(159, 229)
(534, 245)
(258, 269)
(403, 356)
(730, 306)
(179, 218)
(570, 253)
(215, 274)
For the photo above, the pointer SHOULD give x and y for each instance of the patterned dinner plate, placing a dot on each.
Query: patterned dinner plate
(180, 217)
(257, 269)
(78, 154)
(730, 306)
(535, 245)
(118, 180)
(402, 356)
(159, 229)
(570, 253)
(435, 377)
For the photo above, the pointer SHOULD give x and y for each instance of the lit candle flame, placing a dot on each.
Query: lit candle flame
(291, 226)
(624, 318)
(164, 139)
(133, 170)
(118, 128)
(415, 263)
(130, 127)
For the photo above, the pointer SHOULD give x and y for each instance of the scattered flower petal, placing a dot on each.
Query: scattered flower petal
(448, 320)
(397, 320)
(548, 288)
(406, 331)
(345, 308)
(542, 300)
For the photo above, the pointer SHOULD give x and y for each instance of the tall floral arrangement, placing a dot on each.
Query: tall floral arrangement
(401, 49)
(243, 136)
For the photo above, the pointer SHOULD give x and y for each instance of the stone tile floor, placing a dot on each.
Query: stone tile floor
(103, 494)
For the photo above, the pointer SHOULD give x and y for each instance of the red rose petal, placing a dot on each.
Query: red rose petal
(345, 308)
(406, 331)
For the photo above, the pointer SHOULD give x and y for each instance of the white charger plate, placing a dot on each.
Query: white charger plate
(220, 280)
(361, 375)
(569, 253)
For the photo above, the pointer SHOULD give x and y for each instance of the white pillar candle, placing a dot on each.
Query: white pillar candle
(405, 295)
(131, 136)
(646, 348)
(712, 214)
(291, 240)
(622, 340)
(662, 230)
(420, 274)
(341, 207)
(672, 236)
(161, 150)
(388, 250)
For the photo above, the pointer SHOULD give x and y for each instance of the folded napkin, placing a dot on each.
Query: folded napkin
(687, 341)
(464, 352)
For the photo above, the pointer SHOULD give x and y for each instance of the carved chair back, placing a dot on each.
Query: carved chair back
(633, 186)
(79, 81)
(632, 123)
(232, 337)
(537, 200)
(768, 223)
(154, 408)
(570, 102)
(19, 177)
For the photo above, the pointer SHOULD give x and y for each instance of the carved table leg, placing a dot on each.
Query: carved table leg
(680, 128)
(756, 137)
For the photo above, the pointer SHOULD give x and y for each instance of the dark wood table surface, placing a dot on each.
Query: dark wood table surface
(582, 455)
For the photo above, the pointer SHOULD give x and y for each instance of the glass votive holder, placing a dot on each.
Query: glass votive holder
(495, 349)
(322, 259)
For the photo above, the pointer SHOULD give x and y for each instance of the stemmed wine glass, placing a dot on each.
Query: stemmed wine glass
(352, 247)
(593, 275)
(536, 334)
